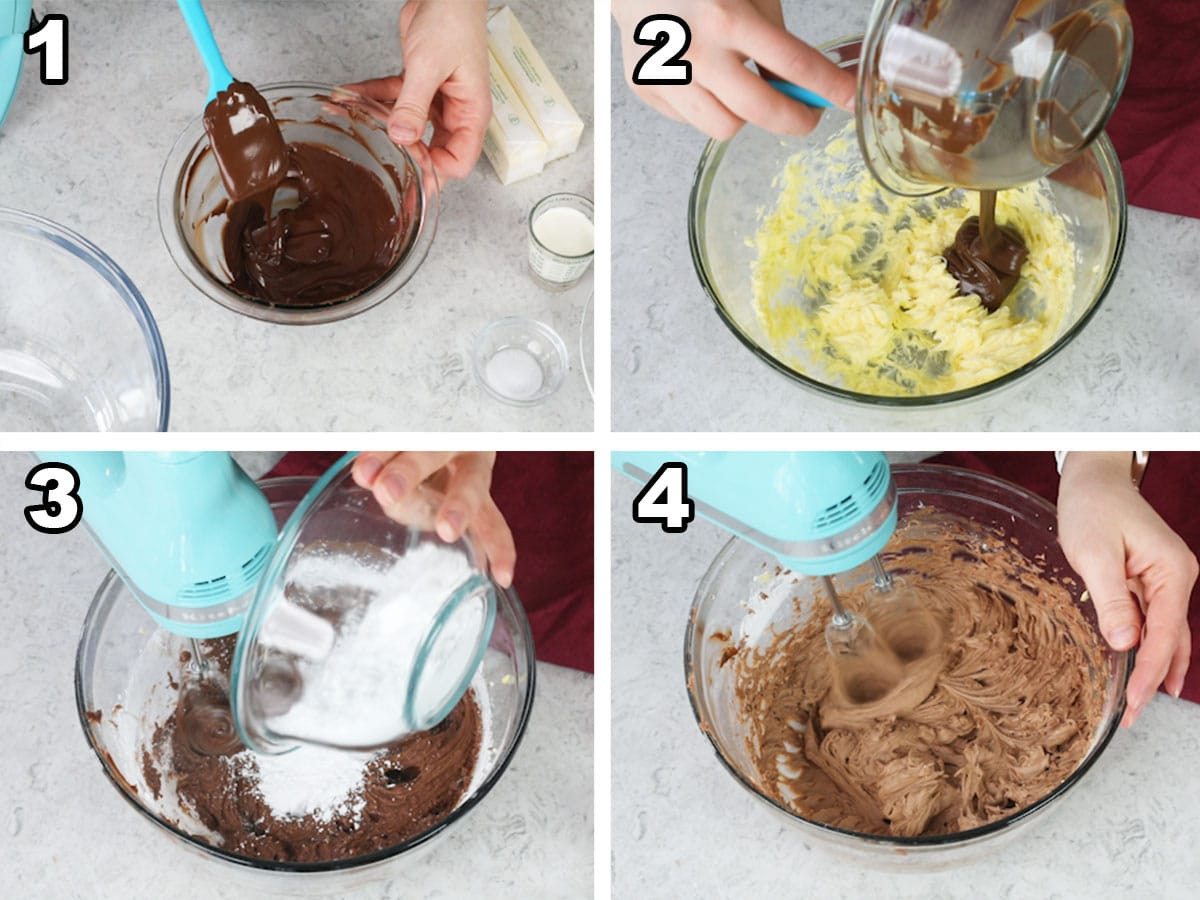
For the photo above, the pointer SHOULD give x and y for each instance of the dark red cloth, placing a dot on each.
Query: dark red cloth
(1171, 486)
(1156, 125)
(547, 500)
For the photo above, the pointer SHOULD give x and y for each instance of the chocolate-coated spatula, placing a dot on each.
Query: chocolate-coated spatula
(246, 141)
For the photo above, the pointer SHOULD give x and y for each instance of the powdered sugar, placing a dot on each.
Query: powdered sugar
(309, 781)
(355, 695)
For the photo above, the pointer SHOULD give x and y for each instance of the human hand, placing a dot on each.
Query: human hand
(464, 480)
(1138, 571)
(445, 81)
(724, 94)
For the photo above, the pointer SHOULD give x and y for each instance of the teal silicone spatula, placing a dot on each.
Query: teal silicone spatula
(245, 138)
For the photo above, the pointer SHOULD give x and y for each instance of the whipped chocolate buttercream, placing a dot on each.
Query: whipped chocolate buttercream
(1006, 717)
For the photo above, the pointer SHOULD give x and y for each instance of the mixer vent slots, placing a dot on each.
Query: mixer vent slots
(849, 509)
(223, 586)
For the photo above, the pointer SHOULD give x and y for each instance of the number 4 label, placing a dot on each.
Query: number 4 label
(49, 38)
(664, 500)
(670, 37)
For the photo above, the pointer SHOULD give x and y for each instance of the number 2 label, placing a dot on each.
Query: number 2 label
(670, 37)
(49, 39)
(664, 500)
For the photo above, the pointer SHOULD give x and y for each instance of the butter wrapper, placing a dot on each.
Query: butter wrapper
(513, 143)
(553, 113)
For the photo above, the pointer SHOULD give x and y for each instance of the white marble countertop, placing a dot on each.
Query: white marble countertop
(1134, 367)
(682, 827)
(65, 832)
(88, 155)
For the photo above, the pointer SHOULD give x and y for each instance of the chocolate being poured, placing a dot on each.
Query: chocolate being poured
(986, 258)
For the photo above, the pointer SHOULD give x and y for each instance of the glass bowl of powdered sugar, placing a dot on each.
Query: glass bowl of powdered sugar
(316, 808)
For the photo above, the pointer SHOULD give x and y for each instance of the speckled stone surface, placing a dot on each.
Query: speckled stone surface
(677, 367)
(682, 827)
(65, 832)
(88, 155)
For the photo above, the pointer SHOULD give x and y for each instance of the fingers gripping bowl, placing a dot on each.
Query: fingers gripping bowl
(193, 207)
(741, 609)
(781, 228)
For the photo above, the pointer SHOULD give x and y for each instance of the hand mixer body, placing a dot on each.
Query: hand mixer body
(818, 513)
(14, 22)
(189, 533)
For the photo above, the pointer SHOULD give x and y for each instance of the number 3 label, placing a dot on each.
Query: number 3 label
(670, 37)
(61, 508)
(664, 500)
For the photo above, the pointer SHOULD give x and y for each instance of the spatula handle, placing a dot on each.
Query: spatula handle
(219, 76)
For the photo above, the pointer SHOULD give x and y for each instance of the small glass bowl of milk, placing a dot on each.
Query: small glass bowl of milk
(561, 240)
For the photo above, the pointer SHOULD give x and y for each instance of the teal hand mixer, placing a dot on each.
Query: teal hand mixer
(818, 513)
(189, 533)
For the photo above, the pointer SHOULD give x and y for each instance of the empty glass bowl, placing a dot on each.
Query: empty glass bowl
(191, 195)
(79, 349)
(127, 673)
(519, 361)
(737, 184)
(720, 607)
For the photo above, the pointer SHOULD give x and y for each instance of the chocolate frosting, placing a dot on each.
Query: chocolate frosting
(1015, 700)
(408, 787)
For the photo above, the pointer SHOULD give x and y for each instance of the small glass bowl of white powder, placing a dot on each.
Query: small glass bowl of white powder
(519, 361)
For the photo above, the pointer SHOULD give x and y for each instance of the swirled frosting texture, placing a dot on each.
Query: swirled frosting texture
(1010, 715)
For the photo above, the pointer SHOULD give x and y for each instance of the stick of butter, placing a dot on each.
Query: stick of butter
(551, 110)
(512, 143)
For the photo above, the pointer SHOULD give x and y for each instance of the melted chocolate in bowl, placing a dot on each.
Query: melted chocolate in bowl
(347, 225)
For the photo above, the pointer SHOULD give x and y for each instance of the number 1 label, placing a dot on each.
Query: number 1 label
(49, 39)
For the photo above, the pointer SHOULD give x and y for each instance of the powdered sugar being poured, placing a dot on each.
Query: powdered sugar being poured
(355, 695)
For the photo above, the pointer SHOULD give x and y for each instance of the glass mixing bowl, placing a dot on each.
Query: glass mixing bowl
(79, 349)
(720, 606)
(736, 186)
(190, 191)
(125, 666)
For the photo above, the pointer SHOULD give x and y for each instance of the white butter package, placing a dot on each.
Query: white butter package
(551, 110)
(513, 143)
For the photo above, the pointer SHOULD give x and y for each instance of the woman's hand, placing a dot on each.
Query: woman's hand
(445, 81)
(464, 480)
(724, 94)
(1138, 571)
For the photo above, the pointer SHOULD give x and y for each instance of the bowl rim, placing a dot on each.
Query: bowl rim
(174, 172)
(899, 842)
(84, 250)
(290, 867)
(710, 159)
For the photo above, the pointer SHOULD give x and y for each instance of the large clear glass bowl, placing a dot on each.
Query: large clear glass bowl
(735, 186)
(720, 606)
(79, 349)
(190, 190)
(123, 670)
